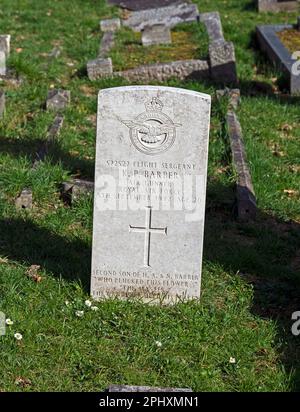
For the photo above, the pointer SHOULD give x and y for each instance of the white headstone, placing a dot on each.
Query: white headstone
(150, 186)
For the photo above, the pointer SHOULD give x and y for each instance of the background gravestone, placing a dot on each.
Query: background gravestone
(170, 16)
(143, 4)
(148, 231)
(278, 5)
(157, 34)
(58, 99)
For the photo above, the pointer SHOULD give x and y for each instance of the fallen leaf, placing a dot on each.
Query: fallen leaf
(19, 49)
(286, 127)
(33, 274)
(291, 192)
(20, 381)
(294, 168)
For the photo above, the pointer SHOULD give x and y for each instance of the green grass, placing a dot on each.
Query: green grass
(250, 272)
(189, 41)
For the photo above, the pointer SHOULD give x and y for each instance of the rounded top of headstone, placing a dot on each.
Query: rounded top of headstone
(162, 89)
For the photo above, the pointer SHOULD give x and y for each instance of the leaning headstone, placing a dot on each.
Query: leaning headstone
(2, 102)
(157, 34)
(169, 16)
(98, 68)
(58, 99)
(150, 185)
(129, 388)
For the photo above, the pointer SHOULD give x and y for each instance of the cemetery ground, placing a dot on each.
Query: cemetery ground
(238, 336)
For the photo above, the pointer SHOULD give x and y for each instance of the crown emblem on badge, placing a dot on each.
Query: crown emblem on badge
(154, 105)
(152, 132)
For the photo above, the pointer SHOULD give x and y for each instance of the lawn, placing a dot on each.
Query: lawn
(251, 272)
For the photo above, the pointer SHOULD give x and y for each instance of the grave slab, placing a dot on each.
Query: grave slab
(106, 44)
(52, 133)
(246, 201)
(98, 68)
(213, 26)
(73, 190)
(169, 16)
(136, 5)
(182, 69)
(129, 388)
(222, 62)
(58, 99)
(149, 197)
(157, 34)
(110, 24)
(276, 6)
(279, 54)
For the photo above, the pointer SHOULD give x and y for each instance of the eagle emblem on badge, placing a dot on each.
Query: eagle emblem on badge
(152, 132)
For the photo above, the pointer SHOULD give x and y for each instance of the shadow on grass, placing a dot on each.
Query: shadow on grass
(26, 242)
(22, 147)
(265, 253)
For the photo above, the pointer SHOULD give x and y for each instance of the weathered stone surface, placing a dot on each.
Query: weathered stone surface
(150, 184)
(143, 4)
(222, 62)
(73, 190)
(213, 26)
(234, 96)
(24, 201)
(157, 34)
(277, 6)
(246, 202)
(2, 63)
(128, 388)
(98, 68)
(53, 132)
(182, 69)
(5, 43)
(58, 99)
(169, 16)
(279, 54)
(110, 24)
(2, 102)
(107, 43)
